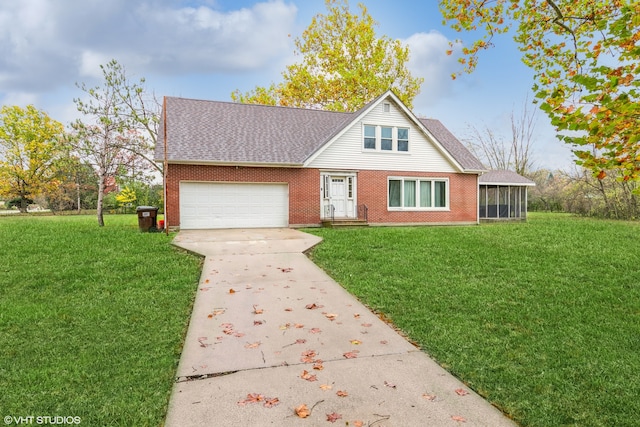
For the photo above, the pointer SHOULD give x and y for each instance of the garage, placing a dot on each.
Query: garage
(205, 205)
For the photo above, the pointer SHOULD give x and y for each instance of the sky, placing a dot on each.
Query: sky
(206, 49)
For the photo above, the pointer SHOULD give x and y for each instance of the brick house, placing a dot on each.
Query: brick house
(231, 165)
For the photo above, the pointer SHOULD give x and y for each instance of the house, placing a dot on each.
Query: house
(231, 165)
(503, 196)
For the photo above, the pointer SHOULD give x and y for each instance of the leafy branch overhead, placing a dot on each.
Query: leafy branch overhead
(586, 59)
(344, 65)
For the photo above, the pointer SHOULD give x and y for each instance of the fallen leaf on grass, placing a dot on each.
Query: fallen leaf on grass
(307, 376)
(333, 417)
(342, 393)
(458, 418)
(302, 411)
(461, 392)
(351, 354)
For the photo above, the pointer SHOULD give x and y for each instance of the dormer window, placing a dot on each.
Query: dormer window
(385, 138)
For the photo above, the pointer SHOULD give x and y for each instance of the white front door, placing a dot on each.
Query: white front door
(339, 196)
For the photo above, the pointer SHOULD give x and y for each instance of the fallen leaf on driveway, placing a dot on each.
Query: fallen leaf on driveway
(315, 330)
(342, 393)
(333, 417)
(307, 376)
(318, 365)
(331, 316)
(326, 387)
(351, 354)
(251, 398)
(231, 291)
(313, 306)
(286, 269)
(356, 316)
(458, 418)
(257, 310)
(288, 309)
(301, 341)
(258, 322)
(271, 402)
(207, 281)
(388, 384)
(302, 411)
(461, 392)
(358, 423)
(429, 397)
(366, 325)
(298, 326)
(356, 342)
(253, 345)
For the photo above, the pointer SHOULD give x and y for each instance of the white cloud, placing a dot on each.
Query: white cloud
(430, 61)
(48, 43)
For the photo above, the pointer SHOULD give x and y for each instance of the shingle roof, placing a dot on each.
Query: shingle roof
(221, 132)
(450, 143)
(504, 177)
(226, 132)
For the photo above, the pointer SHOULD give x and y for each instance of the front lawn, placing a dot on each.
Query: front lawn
(91, 319)
(541, 318)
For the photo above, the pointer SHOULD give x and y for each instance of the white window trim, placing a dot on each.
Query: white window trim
(445, 208)
(378, 142)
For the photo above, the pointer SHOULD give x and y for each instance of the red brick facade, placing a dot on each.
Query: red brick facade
(304, 192)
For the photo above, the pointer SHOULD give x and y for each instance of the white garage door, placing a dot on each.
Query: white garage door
(233, 205)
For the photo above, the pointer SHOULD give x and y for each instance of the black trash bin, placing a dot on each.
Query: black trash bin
(147, 217)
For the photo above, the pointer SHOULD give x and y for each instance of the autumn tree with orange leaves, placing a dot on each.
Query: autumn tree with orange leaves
(586, 59)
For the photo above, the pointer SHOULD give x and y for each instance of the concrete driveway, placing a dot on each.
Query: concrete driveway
(270, 332)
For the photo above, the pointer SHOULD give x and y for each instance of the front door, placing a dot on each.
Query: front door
(339, 196)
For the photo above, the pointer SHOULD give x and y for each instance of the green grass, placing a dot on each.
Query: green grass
(542, 318)
(91, 319)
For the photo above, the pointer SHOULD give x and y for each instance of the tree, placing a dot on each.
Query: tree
(121, 127)
(513, 153)
(30, 148)
(586, 60)
(344, 65)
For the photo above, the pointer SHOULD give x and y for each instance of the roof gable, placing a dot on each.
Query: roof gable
(214, 132)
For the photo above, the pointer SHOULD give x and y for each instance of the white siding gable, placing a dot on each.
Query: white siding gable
(347, 150)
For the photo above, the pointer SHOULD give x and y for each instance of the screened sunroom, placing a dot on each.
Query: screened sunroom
(503, 196)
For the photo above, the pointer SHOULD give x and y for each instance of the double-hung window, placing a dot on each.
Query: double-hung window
(369, 137)
(386, 138)
(418, 194)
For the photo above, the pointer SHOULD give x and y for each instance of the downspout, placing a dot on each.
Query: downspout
(165, 164)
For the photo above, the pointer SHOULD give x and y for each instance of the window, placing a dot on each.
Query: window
(350, 187)
(418, 194)
(386, 140)
(386, 107)
(403, 139)
(369, 137)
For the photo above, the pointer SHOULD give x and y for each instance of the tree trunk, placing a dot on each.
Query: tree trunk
(100, 199)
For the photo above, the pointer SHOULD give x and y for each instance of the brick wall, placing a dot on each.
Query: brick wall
(304, 192)
(304, 187)
(463, 193)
